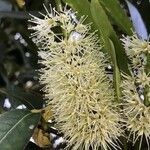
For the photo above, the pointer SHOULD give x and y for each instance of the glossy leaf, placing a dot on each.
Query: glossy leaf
(114, 10)
(106, 31)
(18, 96)
(16, 128)
(111, 43)
(100, 21)
(31, 99)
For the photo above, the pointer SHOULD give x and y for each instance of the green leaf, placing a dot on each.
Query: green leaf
(31, 99)
(98, 17)
(82, 7)
(111, 43)
(101, 22)
(116, 74)
(16, 128)
(114, 10)
(106, 32)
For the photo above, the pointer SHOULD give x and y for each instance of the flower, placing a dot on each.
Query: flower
(75, 82)
(136, 49)
(134, 46)
(143, 78)
(136, 89)
(137, 115)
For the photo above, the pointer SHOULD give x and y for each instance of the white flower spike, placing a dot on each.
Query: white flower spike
(136, 89)
(75, 82)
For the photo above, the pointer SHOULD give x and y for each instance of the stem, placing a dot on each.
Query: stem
(147, 88)
(59, 7)
(146, 99)
(58, 4)
(147, 66)
(125, 145)
(116, 73)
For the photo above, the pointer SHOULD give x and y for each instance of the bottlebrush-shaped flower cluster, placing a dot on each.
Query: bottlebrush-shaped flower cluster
(75, 81)
(136, 89)
(77, 88)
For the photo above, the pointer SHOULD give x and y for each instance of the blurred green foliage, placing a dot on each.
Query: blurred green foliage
(19, 87)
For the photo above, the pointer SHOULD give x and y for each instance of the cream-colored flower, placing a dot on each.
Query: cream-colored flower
(135, 46)
(135, 101)
(76, 84)
(143, 78)
(137, 115)
(136, 49)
